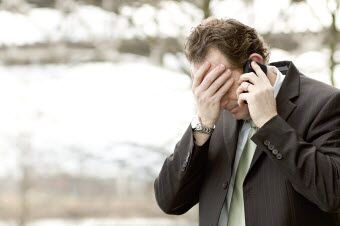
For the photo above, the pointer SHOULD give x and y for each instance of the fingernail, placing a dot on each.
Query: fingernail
(222, 66)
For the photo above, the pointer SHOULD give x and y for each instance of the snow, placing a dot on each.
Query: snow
(267, 16)
(167, 21)
(91, 23)
(17, 29)
(88, 23)
(170, 19)
(96, 109)
(85, 23)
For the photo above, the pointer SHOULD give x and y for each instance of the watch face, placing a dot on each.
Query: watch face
(199, 126)
(195, 123)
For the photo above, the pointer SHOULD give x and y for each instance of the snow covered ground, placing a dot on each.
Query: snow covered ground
(97, 115)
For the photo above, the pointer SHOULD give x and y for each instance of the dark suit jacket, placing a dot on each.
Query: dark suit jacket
(294, 177)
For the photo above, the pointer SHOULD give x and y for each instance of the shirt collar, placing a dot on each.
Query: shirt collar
(278, 81)
(250, 123)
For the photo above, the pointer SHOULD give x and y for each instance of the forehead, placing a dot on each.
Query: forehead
(214, 57)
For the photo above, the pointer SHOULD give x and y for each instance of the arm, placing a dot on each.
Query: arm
(313, 168)
(178, 184)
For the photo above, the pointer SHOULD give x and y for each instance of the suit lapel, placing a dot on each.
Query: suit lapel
(289, 90)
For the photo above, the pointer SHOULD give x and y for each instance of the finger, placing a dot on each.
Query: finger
(219, 82)
(244, 87)
(248, 77)
(242, 98)
(258, 70)
(271, 69)
(225, 88)
(199, 75)
(225, 98)
(211, 77)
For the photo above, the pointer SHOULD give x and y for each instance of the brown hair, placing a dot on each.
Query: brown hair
(234, 39)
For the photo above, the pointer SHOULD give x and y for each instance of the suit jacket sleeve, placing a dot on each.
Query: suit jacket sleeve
(312, 167)
(178, 184)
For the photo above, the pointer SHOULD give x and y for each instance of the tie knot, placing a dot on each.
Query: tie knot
(252, 124)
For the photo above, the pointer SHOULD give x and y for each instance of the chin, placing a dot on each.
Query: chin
(241, 114)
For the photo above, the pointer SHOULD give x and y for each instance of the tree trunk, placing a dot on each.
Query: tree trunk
(333, 35)
(206, 8)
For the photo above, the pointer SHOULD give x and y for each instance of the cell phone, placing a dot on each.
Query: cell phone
(247, 67)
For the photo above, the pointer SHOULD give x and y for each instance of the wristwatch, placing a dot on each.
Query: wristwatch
(197, 126)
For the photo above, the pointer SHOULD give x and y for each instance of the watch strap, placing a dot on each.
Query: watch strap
(199, 127)
(203, 129)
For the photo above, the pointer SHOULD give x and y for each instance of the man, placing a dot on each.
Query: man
(265, 150)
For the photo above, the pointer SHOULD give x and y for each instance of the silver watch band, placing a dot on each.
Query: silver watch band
(205, 130)
(197, 126)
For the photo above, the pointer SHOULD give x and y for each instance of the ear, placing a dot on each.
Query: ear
(257, 58)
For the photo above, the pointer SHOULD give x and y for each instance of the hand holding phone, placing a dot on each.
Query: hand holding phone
(258, 93)
(248, 68)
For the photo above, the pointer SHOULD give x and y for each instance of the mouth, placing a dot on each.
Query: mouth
(233, 109)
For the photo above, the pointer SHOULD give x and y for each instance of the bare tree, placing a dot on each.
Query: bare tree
(332, 38)
(206, 8)
(24, 148)
(331, 33)
(14, 5)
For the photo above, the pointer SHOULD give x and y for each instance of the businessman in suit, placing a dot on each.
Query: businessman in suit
(264, 148)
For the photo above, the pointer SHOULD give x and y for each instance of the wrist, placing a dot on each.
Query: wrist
(200, 138)
(264, 121)
(200, 127)
(206, 123)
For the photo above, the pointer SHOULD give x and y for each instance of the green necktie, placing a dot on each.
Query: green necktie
(236, 211)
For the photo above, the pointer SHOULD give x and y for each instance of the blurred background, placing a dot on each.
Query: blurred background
(94, 95)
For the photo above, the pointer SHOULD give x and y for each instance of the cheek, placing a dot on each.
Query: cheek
(231, 94)
(243, 113)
